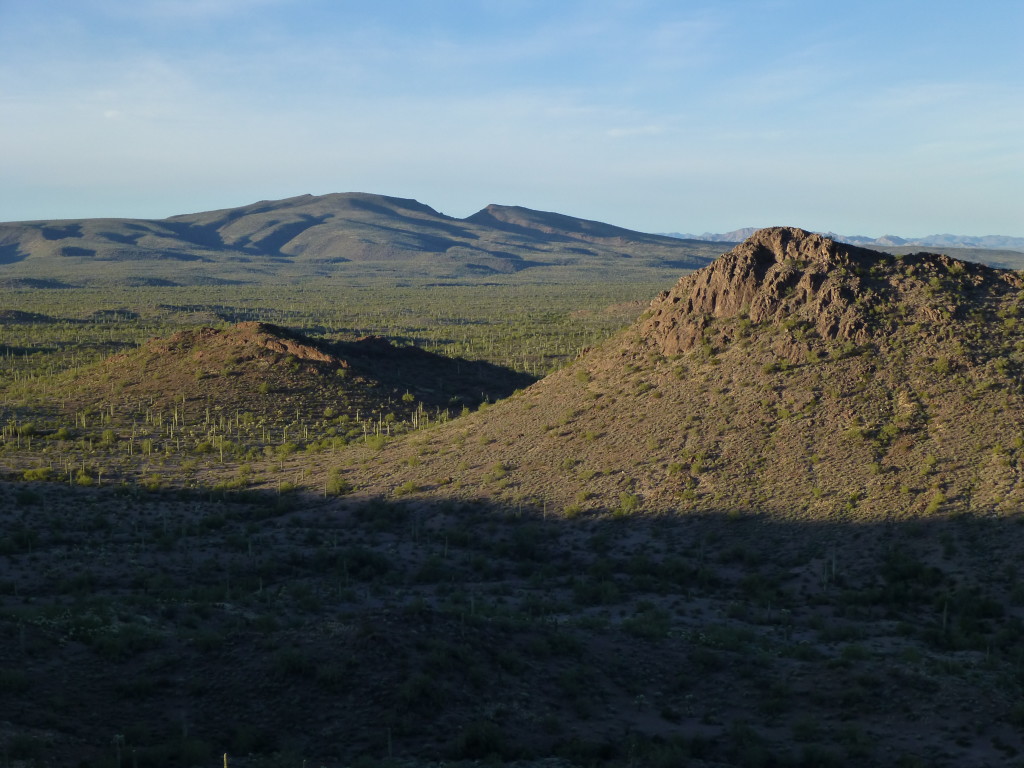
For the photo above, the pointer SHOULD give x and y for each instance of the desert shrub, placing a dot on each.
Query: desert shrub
(629, 503)
(421, 693)
(124, 641)
(935, 502)
(332, 675)
(293, 662)
(572, 511)
(24, 497)
(479, 740)
(406, 488)
(649, 623)
(152, 482)
(336, 484)
(595, 592)
(498, 471)
(363, 564)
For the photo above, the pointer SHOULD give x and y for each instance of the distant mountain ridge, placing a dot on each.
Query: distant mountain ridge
(988, 242)
(346, 234)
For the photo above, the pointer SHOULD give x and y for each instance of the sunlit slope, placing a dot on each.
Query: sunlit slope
(794, 375)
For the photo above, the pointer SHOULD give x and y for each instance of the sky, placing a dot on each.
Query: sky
(868, 117)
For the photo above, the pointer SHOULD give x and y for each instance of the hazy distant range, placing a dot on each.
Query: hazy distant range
(988, 242)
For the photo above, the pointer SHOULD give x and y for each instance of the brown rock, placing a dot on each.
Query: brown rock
(776, 273)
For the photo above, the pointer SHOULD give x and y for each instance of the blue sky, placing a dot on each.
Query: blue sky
(865, 117)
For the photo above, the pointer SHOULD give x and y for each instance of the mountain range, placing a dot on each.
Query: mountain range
(350, 235)
(370, 237)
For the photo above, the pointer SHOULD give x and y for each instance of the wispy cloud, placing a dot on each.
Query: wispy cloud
(185, 10)
(639, 130)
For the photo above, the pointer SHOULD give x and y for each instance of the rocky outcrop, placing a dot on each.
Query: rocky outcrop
(775, 273)
(203, 342)
(284, 342)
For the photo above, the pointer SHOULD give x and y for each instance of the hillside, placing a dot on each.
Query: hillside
(193, 406)
(794, 375)
(231, 367)
(353, 235)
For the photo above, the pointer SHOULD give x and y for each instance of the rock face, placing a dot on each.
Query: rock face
(776, 272)
(788, 274)
(283, 341)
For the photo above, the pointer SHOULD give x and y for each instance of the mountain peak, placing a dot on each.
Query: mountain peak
(791, 243)
(522, 220)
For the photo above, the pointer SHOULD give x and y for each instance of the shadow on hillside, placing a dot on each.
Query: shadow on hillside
(11, 253)
(453, 229)
(435, 380)
(332, 629)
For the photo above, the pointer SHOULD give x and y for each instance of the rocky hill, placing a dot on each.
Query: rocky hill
(352, 234)
(251, 389)
(794, 375)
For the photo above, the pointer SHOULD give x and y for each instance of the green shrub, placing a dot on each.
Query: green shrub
(152, 482)
(336, 484)
(629, 503)
(406, 488)
(935, 502)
